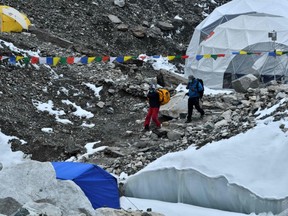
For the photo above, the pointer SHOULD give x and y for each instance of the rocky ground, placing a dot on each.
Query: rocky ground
(146, 27)
(77, 28)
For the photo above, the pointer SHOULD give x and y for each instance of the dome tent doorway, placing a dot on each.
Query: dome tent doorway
(266, 67)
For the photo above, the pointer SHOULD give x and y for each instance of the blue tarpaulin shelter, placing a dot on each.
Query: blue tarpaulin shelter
(99, 186)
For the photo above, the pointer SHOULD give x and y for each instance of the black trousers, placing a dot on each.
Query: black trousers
(194, 101)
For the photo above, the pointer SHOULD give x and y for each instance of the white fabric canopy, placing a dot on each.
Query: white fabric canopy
(222, 16)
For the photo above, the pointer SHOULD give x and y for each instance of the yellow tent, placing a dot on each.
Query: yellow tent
(11, 20)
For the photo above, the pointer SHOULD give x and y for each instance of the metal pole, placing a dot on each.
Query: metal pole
(273, 36)
(274, 48)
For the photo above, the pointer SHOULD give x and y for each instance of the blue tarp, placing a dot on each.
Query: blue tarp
(99, 186)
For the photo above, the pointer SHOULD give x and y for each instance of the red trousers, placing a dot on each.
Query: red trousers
(152, 113)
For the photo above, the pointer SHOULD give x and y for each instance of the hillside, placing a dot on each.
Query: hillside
(87, 24)
(117, 114)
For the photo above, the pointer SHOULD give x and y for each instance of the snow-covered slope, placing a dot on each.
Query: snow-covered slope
(245, 173)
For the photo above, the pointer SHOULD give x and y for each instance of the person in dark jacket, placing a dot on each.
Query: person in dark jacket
(154, 106)
(194, 87)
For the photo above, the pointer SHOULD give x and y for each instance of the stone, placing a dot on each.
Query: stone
(120, 3)
(100, 104)
(165, 26)
(114, 19)
(139, 31)
(243, 83)
(174, 135)
(122, 27)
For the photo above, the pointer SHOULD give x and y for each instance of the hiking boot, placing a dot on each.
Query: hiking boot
(188, 121)
(146, 128)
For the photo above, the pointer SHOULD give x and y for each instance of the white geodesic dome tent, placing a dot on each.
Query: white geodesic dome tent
(235, 26)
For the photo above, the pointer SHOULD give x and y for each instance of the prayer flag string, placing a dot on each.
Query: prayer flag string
(54, 61)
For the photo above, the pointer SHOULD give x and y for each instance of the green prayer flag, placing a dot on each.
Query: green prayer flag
(98, 59)
(63, 60)
(214, 57)
(26, 60)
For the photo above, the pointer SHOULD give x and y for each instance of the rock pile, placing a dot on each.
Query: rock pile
(226, 115)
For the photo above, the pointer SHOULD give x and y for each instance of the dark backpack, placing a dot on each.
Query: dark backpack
(201, 93)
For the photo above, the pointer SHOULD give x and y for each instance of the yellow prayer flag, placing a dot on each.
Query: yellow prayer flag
(56, 60)
(279, 52)
(207, 55)
(170, 58)
(243, 52)
(19, 58)
(91, 59)
(126, 58)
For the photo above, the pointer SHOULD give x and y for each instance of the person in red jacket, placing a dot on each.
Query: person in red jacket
(154, 106)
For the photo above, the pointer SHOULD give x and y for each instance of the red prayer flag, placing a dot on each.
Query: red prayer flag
(220, 55)
(105, 58)
(34, 60)
(70, 60)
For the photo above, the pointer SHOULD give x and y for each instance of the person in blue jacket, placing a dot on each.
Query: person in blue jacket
(194, 87)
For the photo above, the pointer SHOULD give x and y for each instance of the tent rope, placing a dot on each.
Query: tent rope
(132, 203)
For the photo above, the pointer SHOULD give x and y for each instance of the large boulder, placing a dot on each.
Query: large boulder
(34, 182)
(245, 82)
(176, 106)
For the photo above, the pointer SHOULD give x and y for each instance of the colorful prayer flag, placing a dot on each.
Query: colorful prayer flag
(214, 56)
(84, 60)
(90, 59)
(272, 54)
(105, 58)
(56, 60)
(18, 58)
(112, 59)
(26, 60)
(98, 59)
(42, 60)
(77, 60)
(126, 58)
(199, 57)
(70, 60)
(170, 58)
(63, 60)
(12, 59)
(34, 60)
(49, 60)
